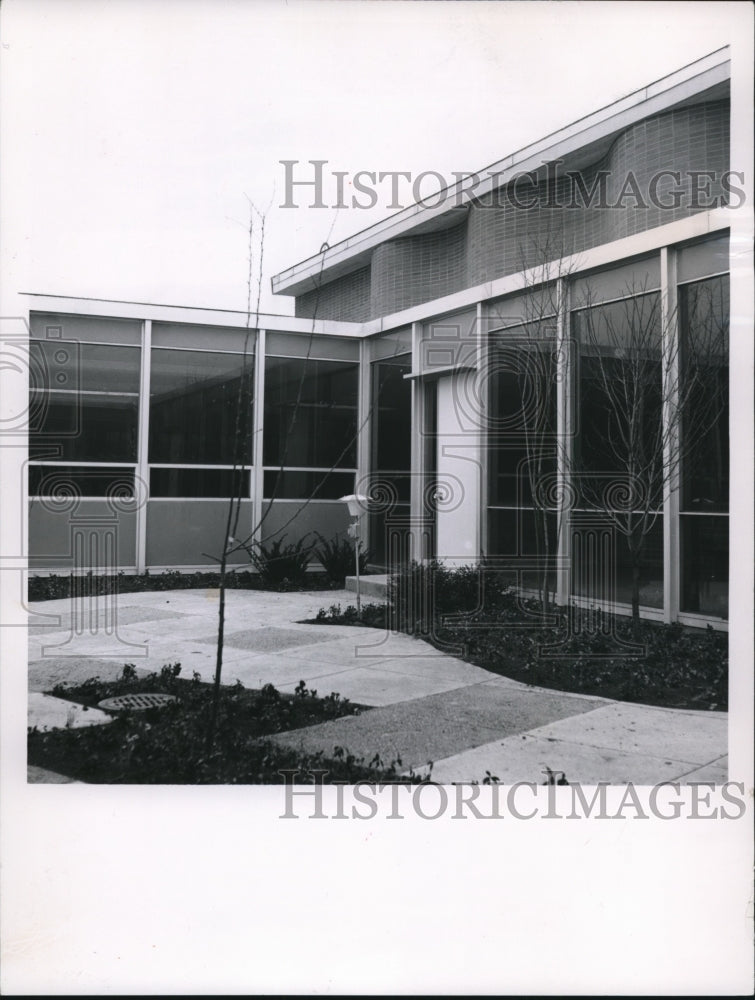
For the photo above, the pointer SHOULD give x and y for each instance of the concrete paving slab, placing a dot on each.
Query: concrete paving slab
(41, 776)
(380, 644)
(717, 772)
(373, 686)
(525, 757)
(446, 668)
(633, 728)
(124, 615)
(437, 726)
(120, 645)
(281, 672)
(430, 706)
(48, 712)
(269, 638)
(349, 649)
(45, 674)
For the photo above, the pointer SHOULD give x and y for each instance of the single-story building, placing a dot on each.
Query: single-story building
(530, 368)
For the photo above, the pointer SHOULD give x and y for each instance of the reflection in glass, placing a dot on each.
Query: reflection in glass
(705, 565)
(200, 408)
(195, 483)
(61, 480)
(704, 312)
(86, 427)
(310, 413)
(299, 485)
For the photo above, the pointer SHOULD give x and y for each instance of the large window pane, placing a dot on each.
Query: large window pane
(522, 433)
(84, 401)
(85, 427)
(90, 367)
(200, 408)
(392, 414)
(602, 565)
(298, 485)
(95, 329)
(199, 483)
(310, 413)
(704, 312)
(526, 542)
(390, 481)
(619, 444)
(705, 565)
(61, 481)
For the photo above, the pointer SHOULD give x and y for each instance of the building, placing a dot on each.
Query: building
(598, 256)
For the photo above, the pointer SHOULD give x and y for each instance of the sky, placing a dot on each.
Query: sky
(136, 133)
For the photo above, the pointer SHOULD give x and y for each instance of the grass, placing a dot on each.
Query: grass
(168, 745)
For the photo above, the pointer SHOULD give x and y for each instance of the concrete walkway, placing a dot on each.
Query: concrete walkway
(428, 706)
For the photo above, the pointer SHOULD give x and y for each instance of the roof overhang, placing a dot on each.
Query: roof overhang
(584, 142)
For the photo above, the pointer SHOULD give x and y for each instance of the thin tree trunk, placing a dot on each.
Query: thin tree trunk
(635, 593)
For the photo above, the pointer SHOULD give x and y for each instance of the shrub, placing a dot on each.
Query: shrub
(474, 612)
(49, 588)
(167, 745)
(338, 558)
(281, 564)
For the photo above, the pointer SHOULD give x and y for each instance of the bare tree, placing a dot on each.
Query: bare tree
(645, 407)
(532, 353)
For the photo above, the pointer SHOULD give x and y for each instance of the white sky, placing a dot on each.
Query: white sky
(133, 130)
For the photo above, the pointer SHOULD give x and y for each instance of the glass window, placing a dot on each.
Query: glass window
(522, 423)
(305, 345)
(704, 314)
(61, 480)
(705, 565)
(698, 260)
(95, 329)
(310, 413)
(196, 483)
(84, 401)
(238, 340)
(527, 537)
(602, 565)
(623, 282)
(86, 428)
(298, 485)
(392, 414)
(620, 404)
(65, 365)
(200, 408)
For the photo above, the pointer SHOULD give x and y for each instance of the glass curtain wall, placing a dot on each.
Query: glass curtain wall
(391, 458)
(619, 446)
(704, 506)
(522, 437)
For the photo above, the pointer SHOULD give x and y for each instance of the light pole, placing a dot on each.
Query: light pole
(355, 503)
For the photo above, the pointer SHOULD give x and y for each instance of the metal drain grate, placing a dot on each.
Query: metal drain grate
(136, 702)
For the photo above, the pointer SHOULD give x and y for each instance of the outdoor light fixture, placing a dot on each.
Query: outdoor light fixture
(356, 504)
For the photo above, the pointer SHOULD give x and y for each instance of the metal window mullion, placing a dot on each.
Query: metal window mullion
(258, 416)
(418, 447)
(565, 413)
(671, 418)
(142, 452)
(484, 418)
(364, 433)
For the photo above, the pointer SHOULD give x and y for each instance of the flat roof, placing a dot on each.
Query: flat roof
(582, 142)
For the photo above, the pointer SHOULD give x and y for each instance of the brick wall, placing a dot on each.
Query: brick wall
(417, 269)
(499, 238)
(346, 298)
